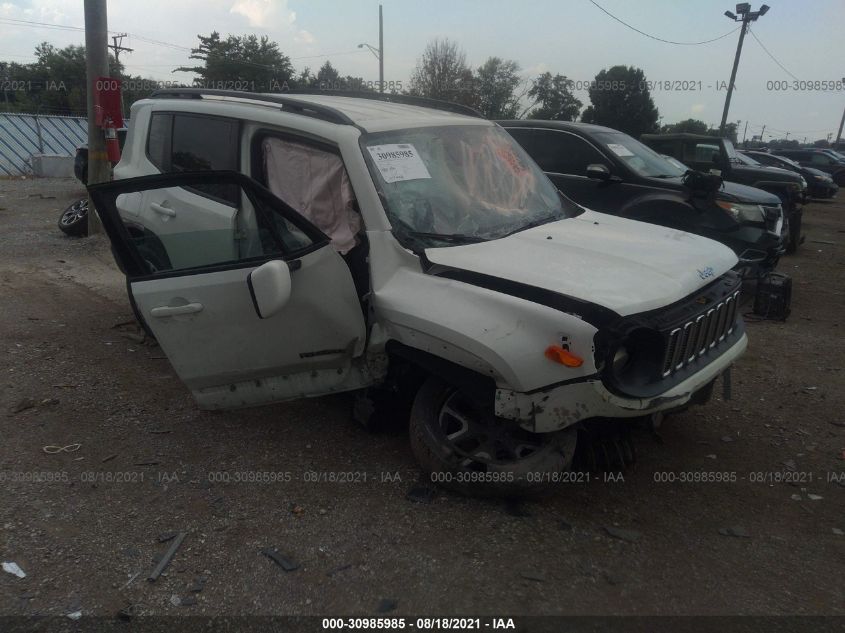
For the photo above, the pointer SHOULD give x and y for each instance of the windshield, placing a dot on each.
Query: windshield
(641, 159)
(788, 161)
(730, 150)
(747, 160)
(461, 183)
(674, 161)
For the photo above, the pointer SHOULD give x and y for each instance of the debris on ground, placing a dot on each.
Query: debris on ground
(735, 530)
(23, 405)
(420, 494)
(533, 575)
(75, 615)
(631, 536)
(168, 556)
(198, 584)
(167, 536)
(281, 560)
(14, 569)
(837, 531)
(386, 605)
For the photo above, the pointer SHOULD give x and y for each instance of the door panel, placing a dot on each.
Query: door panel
(224, 341)
(192, 288)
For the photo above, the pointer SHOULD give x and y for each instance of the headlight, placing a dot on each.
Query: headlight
(743, 212)
(620, 360)
(821, 178)
(803, 183)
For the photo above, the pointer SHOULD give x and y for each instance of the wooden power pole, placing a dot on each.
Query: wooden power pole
(117, 47)
(96, 65)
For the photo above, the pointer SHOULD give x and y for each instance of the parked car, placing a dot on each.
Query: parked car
(825, 160)
(713, 154)
(73, 220)
(336, 243)
(608, 171)
(819, 184)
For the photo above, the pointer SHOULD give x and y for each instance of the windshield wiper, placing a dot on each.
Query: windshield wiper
(535, 223)
(457, 238)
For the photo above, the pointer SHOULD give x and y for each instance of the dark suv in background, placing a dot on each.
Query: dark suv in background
(819, 184)
(718, 155)
(609, 171)
(826, 160)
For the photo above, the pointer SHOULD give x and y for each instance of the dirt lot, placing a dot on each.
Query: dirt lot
(85, 525)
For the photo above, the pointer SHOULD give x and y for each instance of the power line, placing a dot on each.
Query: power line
(660, 39)
(770, 55)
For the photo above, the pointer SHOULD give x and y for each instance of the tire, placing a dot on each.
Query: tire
(74, 219)
(471, 470)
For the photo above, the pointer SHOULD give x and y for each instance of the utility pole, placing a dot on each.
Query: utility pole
(96, 65)
(841, 123)
(744, 132)
(762, 132)
(380, 51)
(746, 16)
(787, 136)
(117, 48)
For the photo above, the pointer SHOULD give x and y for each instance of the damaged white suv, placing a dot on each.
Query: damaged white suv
(287, 246)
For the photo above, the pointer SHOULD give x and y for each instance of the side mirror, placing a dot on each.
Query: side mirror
(269, 287)
(597, 171)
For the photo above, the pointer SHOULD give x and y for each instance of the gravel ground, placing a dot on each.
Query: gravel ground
(87, 526)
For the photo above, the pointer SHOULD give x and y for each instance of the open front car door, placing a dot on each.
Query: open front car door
(248, 300)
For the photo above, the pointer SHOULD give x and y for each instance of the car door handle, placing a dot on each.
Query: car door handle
(166, 311)
(163, 210)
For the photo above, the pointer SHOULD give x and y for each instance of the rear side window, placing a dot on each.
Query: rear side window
(187, 142)
(563, 153)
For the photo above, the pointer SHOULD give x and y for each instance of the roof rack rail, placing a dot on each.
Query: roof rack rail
(425, 102)
(314, 110)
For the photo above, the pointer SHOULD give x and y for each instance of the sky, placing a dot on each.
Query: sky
(571, 37)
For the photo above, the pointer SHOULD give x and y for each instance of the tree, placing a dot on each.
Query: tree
(557, 103)
(496, 81)
(442, 73)
(620, 99)
(692, 126)
(246, 62)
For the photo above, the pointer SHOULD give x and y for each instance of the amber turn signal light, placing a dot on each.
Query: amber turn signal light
(563, 356)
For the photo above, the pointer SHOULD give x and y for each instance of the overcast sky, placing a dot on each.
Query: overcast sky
(572, 37)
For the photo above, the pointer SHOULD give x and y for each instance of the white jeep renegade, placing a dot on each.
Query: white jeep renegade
(287, 246)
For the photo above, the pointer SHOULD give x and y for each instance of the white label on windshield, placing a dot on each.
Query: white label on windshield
(620, 150)
(398, 161)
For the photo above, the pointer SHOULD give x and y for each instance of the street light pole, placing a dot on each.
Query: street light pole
(378, 52)
(746, 16)
(841, 123)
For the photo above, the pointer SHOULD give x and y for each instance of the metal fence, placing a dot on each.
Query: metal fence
(22, 135)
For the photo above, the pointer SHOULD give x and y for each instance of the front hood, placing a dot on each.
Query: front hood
(620, 264)
(735, 192)
(816, 172)
(770, 174)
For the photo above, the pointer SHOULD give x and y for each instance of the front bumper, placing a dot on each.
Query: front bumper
(824, 190)
(561, 406)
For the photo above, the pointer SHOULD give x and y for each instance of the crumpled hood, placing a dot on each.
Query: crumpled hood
(621, 264)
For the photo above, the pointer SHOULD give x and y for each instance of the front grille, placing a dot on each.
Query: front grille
(699, 335)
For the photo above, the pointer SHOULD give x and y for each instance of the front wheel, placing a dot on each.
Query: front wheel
(464, 447)
(74, 219)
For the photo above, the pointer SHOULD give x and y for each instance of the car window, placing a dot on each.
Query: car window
(313, 181)
(702, 153)
(564, 153)
(820, 159)
(641, 159)
(215, 236)
(187, 142)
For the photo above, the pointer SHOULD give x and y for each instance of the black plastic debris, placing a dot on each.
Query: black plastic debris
(385, 605)
(282, 561)
(420, 494)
